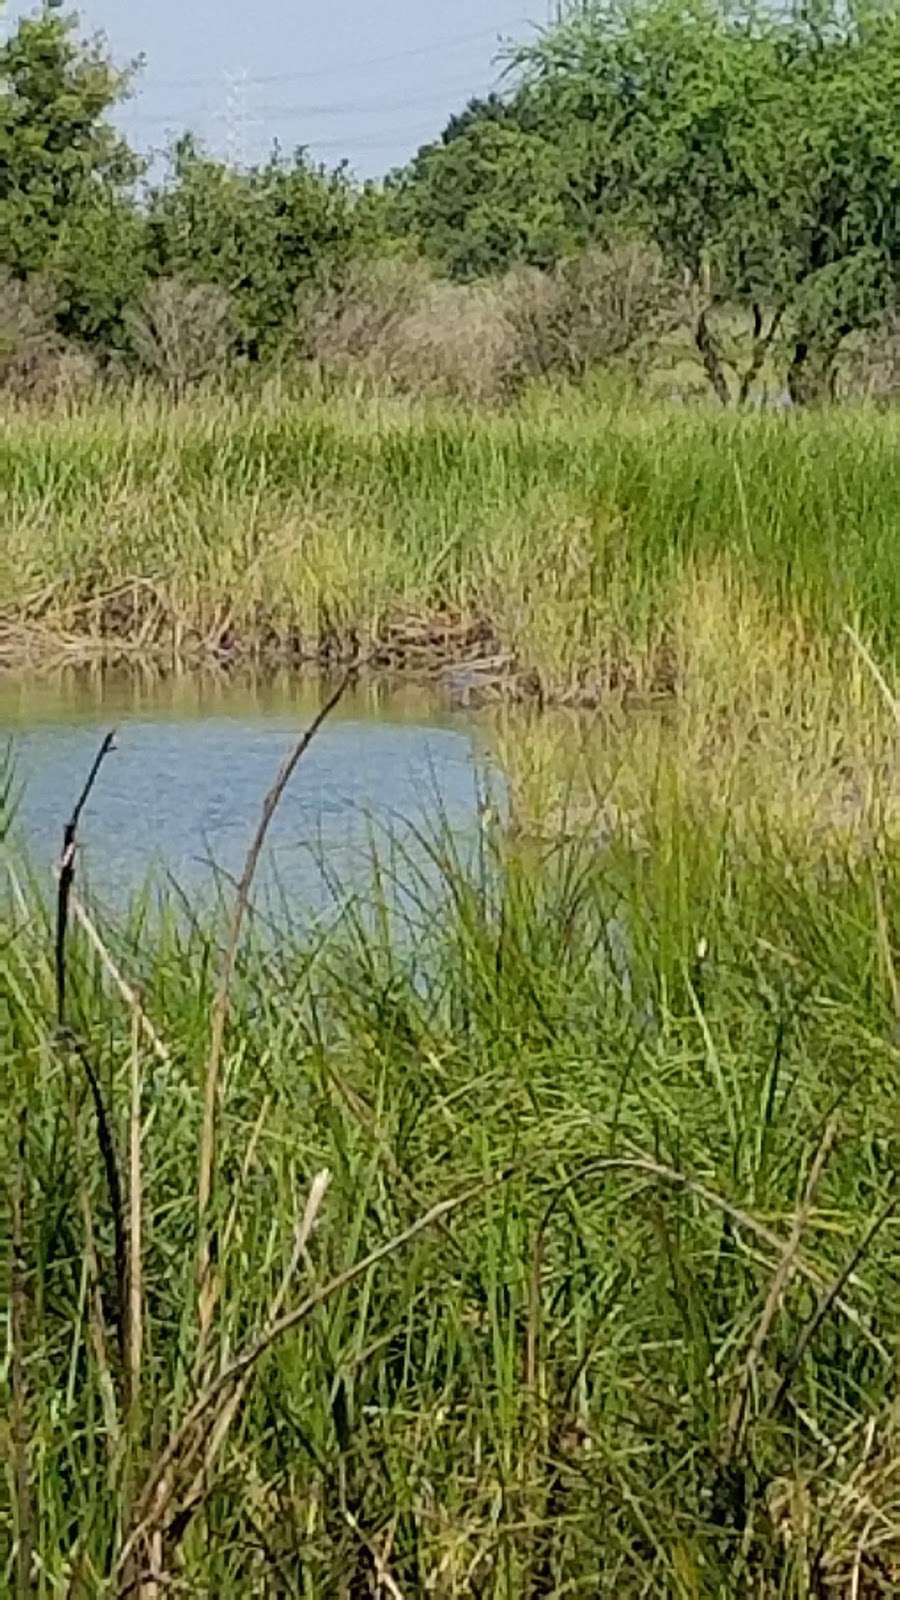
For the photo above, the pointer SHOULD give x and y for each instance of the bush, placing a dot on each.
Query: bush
(357, 319)
(36, 362)
(460, 342)
(263, 235)
(593, 308)
(391, 324)
(182, 333)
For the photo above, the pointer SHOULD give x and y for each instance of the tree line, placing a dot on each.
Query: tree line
(751, 153)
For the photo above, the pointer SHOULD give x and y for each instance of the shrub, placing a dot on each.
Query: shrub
(263, 235)
(36, 362)
(182, 333)
(391, 324)
(593, 308)
(458, 342)
(358, 318)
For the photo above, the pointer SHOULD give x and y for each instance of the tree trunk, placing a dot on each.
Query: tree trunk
(812, 375)
(712, 361)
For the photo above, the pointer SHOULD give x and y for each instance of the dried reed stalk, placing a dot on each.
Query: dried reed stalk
(207, 1284)
(781, 1277)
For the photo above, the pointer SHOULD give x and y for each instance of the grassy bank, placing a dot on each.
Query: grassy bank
(567, 552)
(648, 1347)
(571, 531)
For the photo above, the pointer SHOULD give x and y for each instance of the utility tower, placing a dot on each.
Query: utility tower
(236, 119)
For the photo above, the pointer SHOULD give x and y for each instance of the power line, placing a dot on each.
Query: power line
(236, 107)
(436, 47)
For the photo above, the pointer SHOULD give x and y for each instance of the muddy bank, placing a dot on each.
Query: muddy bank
(463, 656)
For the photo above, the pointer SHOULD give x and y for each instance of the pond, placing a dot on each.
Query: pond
(180, 796)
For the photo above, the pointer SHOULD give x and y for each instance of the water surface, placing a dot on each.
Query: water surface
(181, 793)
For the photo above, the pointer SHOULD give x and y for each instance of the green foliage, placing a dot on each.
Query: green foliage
(260, 234)
(491, 192)
(759, 150)
(569, 1384)
(66, 175)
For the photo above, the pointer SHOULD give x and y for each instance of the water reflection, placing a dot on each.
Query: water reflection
(194, 757)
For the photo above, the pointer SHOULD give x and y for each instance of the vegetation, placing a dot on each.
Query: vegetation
(568, 552)
(530, 1232)
(554, 1224)
(66, 177)
(749, 158)
(756, 148)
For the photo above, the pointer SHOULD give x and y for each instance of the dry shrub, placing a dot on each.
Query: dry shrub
(458, 342)
(592, 309)
(870, 365)
(392, 324)
(356, 320)
(36, 363)
(182, 333)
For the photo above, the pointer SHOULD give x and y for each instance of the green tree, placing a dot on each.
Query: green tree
(760, 151)
(66, 175)
(262, 234)
(490, 193)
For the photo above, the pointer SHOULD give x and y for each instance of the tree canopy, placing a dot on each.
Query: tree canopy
(758, 149)
(755, 149)
(66, 175)
(492, 191)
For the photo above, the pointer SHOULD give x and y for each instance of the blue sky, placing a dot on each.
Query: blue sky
(368, 80)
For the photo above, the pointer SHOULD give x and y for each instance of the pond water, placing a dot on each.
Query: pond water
(180, 795)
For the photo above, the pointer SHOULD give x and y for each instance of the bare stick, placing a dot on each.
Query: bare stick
(104, 1131)
(129, 995)
(206, 1289)
(96, 1321)
(135, 1222)
(67, 874)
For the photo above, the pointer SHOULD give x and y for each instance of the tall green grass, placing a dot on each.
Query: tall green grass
(600, 1295)
(298, 517)
(652, 1351)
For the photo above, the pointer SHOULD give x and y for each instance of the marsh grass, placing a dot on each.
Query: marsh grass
(546, 1243)
(565, 522)
(766, 719)
(570, 551)
(616, 1135)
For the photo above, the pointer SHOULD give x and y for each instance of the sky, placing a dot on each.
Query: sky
(365, 80)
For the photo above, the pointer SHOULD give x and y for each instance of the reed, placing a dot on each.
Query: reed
(532, 1231)
(597, 1294)
(575, 534)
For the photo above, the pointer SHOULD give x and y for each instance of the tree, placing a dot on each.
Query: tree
(260, 234)
(760, 151)
(490, 193)
(66, 175)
